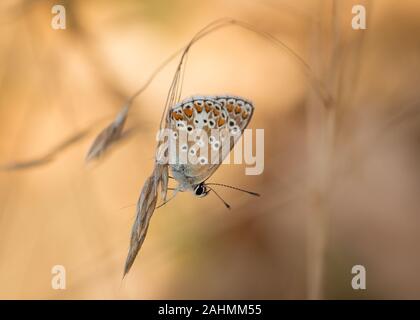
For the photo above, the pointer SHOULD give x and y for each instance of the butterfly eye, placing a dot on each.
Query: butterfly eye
(200, 190)
(189, 128)
(199, 103)
(222, 102)
(231, 123)
(211, 123)
(192, 152)
(209, 103)
(248, 107)
(175, 135)
(184, 147)
(231, 101)
(212, 139)
(240, 103)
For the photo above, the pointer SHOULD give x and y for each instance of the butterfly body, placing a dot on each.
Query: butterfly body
(183, 175)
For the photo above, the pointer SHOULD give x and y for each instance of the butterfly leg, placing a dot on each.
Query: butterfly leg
(175, 190)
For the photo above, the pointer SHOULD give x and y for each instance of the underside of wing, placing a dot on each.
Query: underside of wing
(205, 129)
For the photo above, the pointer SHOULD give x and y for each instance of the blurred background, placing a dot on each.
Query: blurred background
(340, 185)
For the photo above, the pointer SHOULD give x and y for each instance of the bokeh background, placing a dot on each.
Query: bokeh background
(340, 186)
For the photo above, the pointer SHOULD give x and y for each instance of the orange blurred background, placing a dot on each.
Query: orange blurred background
(357, 190)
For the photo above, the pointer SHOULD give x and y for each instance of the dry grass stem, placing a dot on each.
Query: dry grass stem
(145, 207)
(108, 136)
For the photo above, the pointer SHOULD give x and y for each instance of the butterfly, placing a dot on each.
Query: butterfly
(212, 124)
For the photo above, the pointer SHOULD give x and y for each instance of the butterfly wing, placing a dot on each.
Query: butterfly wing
(212, 125)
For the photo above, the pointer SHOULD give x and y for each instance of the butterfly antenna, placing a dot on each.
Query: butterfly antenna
(235, 188)
(224, 202)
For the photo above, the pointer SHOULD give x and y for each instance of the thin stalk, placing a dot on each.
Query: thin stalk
(322, 123)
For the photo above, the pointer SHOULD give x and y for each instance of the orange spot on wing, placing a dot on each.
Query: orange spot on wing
(221, 122)
(216, 112)
(188, 112)
(229, 107)
(238, 109)
(177, 116)
(198, 108)
(208, 108)
(244, 114)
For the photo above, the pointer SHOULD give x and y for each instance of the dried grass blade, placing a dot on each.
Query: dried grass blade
(47, 157)
(145, 208)
(108, 136)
